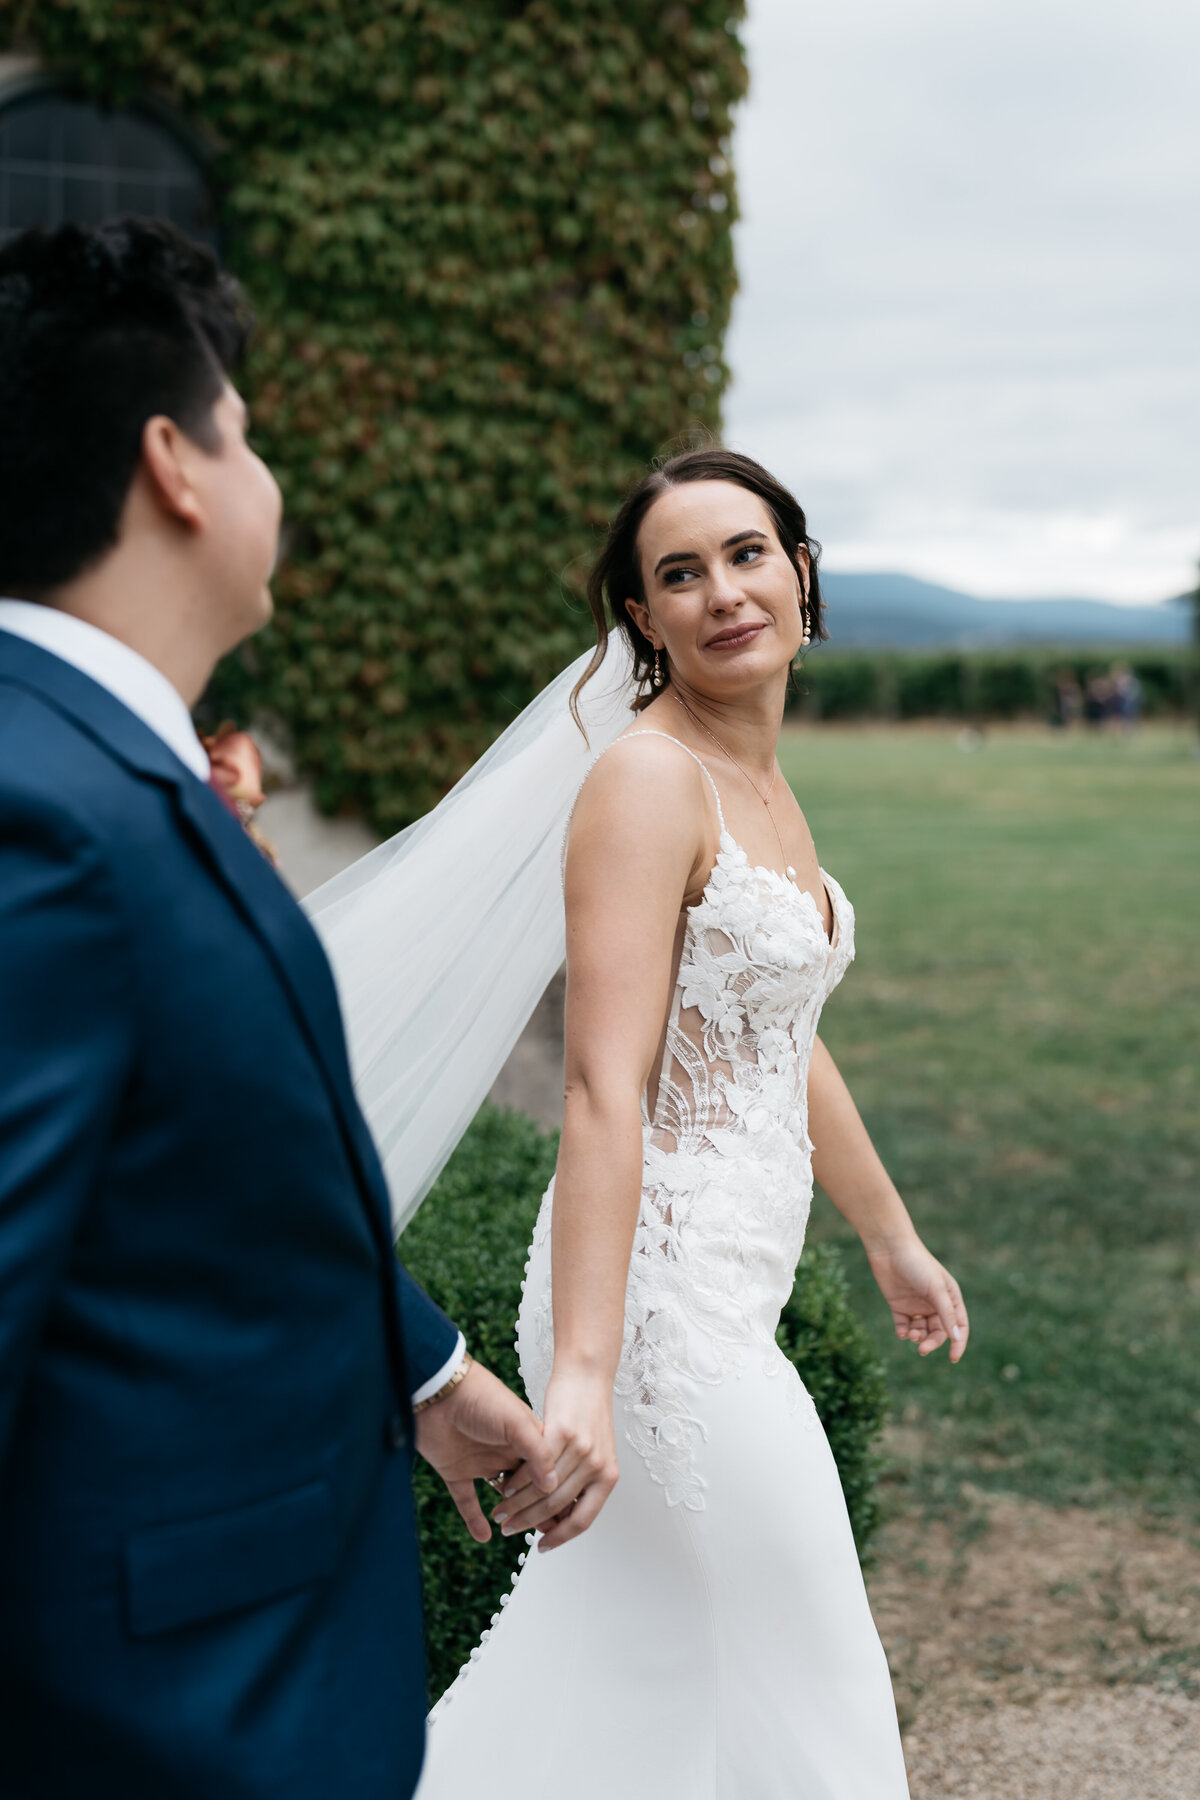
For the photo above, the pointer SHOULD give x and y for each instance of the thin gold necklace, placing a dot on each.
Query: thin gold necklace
(765, 798)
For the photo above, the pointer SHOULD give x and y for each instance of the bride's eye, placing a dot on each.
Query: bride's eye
(748, 550)
(673, 577)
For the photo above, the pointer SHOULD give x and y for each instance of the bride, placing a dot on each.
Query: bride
(709, 1638)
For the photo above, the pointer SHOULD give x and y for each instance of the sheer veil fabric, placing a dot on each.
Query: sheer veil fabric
(444, 938)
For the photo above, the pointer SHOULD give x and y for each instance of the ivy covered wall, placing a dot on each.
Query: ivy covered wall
(489, 248)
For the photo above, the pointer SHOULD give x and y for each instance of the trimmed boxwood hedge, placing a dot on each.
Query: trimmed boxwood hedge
(489, 246)
(467, 1247)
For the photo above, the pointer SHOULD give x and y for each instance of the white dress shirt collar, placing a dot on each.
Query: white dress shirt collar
(127, 675)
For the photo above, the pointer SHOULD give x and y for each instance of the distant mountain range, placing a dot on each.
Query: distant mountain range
(875, 611)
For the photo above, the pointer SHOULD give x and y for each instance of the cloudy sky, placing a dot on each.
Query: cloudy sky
(969, 322)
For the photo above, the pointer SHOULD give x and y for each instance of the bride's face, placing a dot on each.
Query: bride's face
(722, 599)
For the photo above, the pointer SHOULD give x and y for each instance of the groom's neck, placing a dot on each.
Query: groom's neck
(149, 615)
(149, 591)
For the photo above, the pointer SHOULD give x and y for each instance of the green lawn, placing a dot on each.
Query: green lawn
(1021, 1032)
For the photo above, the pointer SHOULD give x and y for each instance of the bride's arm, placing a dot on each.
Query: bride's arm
(925, 1300)
(637, 839)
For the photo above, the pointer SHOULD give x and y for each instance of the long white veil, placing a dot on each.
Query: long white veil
(443, 939)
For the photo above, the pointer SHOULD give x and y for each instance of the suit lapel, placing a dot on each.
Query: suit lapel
(261, 897)
(304, 972)
(289, 940)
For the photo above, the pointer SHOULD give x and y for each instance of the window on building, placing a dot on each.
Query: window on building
(64, 160)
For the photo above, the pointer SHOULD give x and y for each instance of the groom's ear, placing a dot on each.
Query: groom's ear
(168, 467)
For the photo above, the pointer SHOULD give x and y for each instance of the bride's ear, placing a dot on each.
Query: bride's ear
(802, 557)
(639, 612)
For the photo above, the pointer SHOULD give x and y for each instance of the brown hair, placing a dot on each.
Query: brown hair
(617, 575)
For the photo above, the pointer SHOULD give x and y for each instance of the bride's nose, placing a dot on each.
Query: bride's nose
(724, 596)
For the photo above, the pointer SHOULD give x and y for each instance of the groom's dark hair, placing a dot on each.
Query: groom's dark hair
(101, 329)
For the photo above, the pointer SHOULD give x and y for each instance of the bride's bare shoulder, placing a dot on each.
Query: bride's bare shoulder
(643, 775)
(641, 816)
(634, 849)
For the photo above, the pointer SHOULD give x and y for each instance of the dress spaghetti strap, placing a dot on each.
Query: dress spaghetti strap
(624, 738)
(700, 763)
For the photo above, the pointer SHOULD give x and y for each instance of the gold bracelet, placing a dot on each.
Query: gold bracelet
(448, 1387)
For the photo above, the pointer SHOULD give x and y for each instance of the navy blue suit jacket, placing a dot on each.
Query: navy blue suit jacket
(208, 1566)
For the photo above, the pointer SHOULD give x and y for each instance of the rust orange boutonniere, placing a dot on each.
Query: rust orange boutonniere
(236, 767)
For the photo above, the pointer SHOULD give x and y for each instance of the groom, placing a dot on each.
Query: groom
(209, 1356)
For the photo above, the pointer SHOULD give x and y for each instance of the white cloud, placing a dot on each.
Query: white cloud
(970, 264)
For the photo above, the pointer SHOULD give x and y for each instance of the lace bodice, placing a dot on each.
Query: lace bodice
(727, 1173)
(754, 970)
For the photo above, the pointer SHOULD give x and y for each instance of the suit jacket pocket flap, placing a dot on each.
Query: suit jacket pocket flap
(195, 1569)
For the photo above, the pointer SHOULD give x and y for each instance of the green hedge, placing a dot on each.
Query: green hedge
(862, 684)
(489, 246)
(467, 1246)
(832, 1350)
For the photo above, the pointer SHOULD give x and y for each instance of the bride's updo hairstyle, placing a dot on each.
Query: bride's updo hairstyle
(617, 575)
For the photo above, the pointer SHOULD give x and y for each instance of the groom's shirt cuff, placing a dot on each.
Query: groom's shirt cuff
(444, 1373)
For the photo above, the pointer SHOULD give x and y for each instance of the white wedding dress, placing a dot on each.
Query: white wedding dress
(709, 1638)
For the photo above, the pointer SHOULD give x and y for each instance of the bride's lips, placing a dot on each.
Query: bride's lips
(734, 636)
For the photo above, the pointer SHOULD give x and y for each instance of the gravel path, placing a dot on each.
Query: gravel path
(1130, 1744)
(1043, 1652)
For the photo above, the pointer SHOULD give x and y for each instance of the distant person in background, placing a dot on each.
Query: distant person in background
(1126, 701)
(1067, 703)
(1097, 700)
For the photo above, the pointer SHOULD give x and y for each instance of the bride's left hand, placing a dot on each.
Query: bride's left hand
(925, 1300)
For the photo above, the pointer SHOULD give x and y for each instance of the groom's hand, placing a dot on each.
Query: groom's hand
(481, 1430)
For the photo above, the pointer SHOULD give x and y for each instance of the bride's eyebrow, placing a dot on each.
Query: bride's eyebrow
(674, 556)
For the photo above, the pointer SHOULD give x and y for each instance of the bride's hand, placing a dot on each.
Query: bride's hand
(578, 1427)
(925, 1300)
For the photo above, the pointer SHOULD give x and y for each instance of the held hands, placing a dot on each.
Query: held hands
(478, 1430)
(579, 1435)
(925, 1300)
